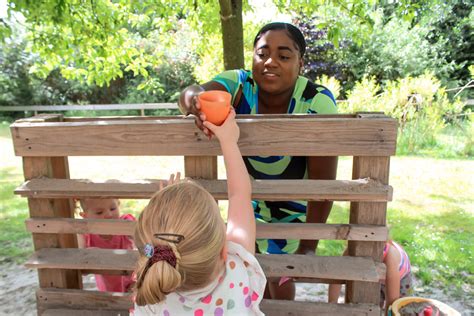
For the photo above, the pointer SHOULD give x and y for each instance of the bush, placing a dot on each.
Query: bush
(394, 50)
(164, 83)
(331, 83)
(420, 105)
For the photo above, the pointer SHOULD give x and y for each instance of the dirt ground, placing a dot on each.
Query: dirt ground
(18, 285)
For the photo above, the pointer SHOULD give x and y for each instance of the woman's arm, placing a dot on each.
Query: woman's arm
(320, 168)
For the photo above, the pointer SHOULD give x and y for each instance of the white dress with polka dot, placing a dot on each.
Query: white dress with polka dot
(238, 291)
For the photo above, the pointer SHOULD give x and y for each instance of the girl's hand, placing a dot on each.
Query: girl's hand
(228, 131)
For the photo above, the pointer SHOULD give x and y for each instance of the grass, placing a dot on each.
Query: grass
(15, 240)
(455, 141)
(431, 215)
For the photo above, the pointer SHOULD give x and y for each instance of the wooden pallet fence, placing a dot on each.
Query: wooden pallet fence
(46, 141)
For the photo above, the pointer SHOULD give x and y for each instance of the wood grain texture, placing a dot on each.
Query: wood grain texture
(267, 190)
(299, 266)
(72, 302)
(368, 213)
(292, 308)
(34, 167)
(273, 231)
(306, 136)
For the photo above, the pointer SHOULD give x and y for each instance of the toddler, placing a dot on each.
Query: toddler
(106, 209)
(190, 262)
(398, 279)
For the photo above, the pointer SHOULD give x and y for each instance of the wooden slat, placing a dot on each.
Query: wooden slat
(173, 117)
(50, 298)
(310, 136)
(304, 266)
(369, 213)
(380, 270)
(264, 231)
(83, 312)
(72, 302)
(268, 190)
(292, 308)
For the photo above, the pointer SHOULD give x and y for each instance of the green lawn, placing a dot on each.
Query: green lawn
(432, 214)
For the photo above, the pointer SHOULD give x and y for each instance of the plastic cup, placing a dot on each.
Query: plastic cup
(216, 105)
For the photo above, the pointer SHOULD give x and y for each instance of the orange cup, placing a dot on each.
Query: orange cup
(216, 105)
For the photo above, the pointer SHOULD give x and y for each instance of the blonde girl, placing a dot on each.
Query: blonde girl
(190, 262)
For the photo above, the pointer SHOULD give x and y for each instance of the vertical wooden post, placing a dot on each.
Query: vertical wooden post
(200, 167)
(53, 167)
(373, 213)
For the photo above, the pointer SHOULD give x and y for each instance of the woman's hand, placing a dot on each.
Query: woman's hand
(189, 104)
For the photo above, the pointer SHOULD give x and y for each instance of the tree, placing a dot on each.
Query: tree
(97, 41)
(232, 33)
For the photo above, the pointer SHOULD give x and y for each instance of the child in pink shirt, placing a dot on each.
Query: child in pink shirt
(107, 209)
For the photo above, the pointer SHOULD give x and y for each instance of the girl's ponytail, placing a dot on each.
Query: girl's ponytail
(182, 227)
(155, 279)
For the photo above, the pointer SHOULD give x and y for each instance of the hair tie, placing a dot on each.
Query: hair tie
(159, 253)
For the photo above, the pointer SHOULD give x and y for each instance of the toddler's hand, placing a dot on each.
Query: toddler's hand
(172, 180)
(228, 131)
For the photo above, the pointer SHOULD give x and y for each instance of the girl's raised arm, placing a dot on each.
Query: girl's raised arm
(240, 220)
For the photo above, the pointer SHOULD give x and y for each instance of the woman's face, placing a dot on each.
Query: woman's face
(276, 62)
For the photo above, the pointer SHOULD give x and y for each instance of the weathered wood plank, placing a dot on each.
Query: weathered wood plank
(293, 308)
(83, 312)
(274, 231)
(306, 266)
(310, 136)
(268, 190)
(79, 299)
(173, 117)
(369, 213)
(303, 266)
(203, 167)
(104, 303)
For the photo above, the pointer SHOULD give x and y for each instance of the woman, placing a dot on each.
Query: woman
(275, 87)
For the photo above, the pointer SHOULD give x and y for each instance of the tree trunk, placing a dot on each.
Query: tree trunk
(232, 33)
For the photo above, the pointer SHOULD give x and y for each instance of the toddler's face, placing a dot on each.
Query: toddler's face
(101, 209)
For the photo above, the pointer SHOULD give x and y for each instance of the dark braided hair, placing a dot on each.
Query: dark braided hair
(294, 33)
